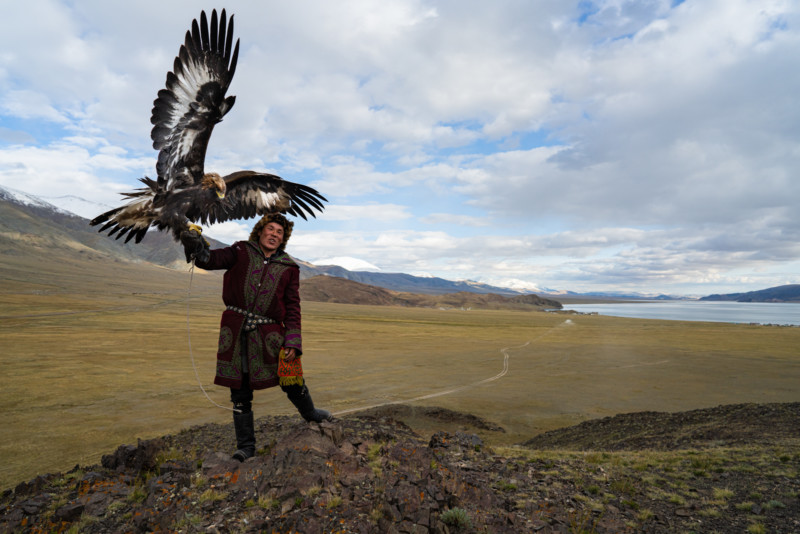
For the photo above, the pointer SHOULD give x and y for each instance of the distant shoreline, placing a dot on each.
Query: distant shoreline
(747, 313)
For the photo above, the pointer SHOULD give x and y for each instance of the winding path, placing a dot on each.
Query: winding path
(498, 376)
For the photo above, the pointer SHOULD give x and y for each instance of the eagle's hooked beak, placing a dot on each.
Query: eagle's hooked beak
(220, 194)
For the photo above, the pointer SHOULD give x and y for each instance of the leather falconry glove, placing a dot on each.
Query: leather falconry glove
(195, 246)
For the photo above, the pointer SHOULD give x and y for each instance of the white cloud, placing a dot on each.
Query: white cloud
(230, 231)
(30, 105)
(456, 219)
(614, 143)
(67, 169)
(371, 212)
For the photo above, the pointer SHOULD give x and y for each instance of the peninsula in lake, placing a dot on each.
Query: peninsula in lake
(787, 293)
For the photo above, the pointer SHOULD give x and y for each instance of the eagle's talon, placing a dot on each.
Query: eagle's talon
(192, 226)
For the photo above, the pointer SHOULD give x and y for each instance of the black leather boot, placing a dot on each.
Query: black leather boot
(301, 399)
(245, 436)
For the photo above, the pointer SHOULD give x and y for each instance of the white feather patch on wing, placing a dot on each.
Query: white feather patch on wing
(268, 200)
(183, 148)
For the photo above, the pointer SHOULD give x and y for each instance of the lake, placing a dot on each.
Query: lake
(692, 310)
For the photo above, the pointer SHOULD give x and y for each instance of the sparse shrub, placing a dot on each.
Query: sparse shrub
(166, 456)
(593, 489)
(645, 515)
(138, 495)
(623, 485)
(710, 512)
(82, 524)
(582, 522)
(674, 498)
(212, 495)
(374, 451)
(757, 528)
(507, 486)
(722, 493)
(630, 503)
(334, 502)
(457, 517)
(745, 506)
(266, 503)
(187, 520)
(774, 504)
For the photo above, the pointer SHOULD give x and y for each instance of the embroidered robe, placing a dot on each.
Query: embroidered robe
(266, 287)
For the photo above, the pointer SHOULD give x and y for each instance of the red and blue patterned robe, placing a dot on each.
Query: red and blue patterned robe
(268, 288)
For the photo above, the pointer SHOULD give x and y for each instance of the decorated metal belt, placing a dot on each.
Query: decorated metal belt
(251, 320)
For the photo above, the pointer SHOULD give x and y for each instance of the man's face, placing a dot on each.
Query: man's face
(271, 238)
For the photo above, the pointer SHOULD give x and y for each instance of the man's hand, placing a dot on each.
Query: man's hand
(195, 246)
(289, 354)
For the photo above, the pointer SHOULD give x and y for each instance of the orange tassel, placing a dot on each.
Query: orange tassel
(289, 373)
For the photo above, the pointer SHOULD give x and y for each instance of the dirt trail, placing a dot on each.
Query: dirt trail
(450, 391)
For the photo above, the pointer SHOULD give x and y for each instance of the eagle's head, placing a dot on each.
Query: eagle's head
(214, 182)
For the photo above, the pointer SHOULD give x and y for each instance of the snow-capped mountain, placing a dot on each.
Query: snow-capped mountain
(87, 209)
(65, 204)
(351, 264)
(25, 199)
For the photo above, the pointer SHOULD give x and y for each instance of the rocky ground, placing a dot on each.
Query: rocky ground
(726, 469)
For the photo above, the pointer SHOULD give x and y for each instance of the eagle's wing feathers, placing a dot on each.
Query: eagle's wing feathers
(185, 112)
(251, 193)
(193, 100)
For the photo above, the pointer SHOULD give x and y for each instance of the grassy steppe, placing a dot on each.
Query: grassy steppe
(88, 366)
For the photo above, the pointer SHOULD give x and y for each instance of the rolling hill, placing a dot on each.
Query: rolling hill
(342, 291)
(30, 225)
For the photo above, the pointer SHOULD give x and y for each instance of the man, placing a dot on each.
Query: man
(260, 340)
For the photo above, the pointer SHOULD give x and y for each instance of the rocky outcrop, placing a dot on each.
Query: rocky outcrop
(357, 475)
(373, 473)
(728, 425)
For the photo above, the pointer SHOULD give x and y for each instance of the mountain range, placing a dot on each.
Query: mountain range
(27, 220)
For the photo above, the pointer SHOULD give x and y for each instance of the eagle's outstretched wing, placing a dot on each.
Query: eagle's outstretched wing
(185, 112)
(251, 193)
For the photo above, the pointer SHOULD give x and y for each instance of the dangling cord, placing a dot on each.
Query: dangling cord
(189, 336)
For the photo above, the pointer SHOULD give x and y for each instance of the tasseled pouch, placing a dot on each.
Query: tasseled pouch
(289, 373)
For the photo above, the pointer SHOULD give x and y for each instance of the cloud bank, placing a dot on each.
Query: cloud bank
(610, 145)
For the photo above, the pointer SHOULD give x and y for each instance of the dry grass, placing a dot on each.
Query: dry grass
(88, 366)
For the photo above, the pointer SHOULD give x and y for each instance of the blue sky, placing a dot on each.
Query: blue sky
(646, 146)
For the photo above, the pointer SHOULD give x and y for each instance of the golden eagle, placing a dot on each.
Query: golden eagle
(184, 114)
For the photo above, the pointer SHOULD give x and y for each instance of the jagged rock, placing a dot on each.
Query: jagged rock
(69, 512)
(35, 504)
(138, 458)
